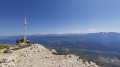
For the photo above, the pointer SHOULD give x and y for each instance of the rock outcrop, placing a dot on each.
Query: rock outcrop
(39, 56)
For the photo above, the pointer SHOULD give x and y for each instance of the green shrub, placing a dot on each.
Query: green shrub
(49, 49)
(83, 59)
(61, 53)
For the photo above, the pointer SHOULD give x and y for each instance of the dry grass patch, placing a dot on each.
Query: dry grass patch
(2, 46)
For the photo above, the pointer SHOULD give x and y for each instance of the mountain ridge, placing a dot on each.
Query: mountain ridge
(39, 56)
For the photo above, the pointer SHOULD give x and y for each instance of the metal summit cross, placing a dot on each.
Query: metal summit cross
(25, 31)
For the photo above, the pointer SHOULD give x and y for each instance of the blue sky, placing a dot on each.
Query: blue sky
(59, 16)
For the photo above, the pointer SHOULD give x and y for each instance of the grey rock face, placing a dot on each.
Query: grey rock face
(39, 56)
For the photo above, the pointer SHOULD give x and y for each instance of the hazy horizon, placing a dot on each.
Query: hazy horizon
(58, 34)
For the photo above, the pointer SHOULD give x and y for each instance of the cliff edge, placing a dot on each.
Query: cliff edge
(39, 56)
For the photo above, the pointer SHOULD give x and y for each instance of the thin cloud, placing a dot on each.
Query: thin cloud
(78, 32)
(91, 31)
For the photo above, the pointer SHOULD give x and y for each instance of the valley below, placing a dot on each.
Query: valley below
(101, 48)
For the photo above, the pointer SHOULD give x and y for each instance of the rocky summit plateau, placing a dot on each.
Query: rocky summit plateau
(39, 56)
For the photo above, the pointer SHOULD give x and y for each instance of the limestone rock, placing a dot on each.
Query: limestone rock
(39, 56)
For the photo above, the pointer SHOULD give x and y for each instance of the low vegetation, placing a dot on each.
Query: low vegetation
(49, 49)
(2, 46)
(61, 53)
(83, 59)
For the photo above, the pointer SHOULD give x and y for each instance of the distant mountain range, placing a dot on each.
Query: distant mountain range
(95, 47)
(99, 41)
(98, 37)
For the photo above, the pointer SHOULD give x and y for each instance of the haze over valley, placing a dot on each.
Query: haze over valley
(102, 48)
